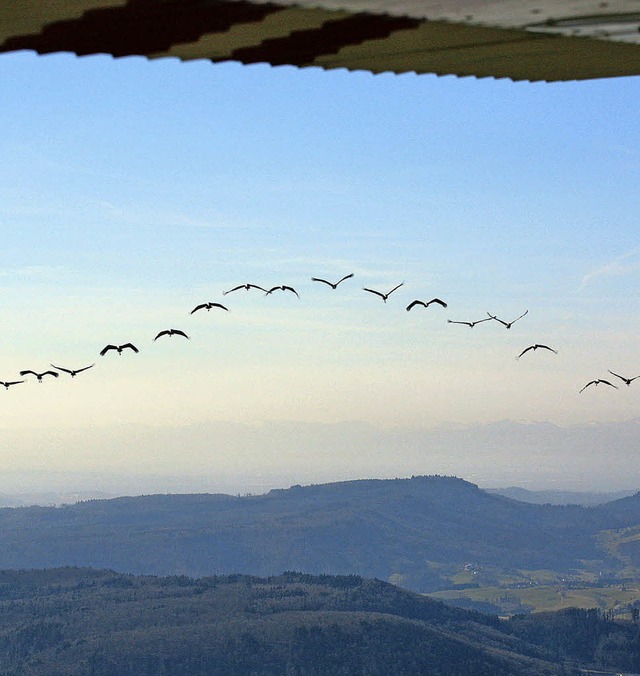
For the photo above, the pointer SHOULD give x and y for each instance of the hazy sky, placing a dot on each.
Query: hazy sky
(131, 191)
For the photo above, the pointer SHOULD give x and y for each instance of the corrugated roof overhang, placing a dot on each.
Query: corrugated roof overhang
(547, 40)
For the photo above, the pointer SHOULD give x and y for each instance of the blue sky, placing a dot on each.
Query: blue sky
(131, 190)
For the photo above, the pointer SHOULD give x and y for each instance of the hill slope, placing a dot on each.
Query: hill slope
(390, 529)
(79, 621)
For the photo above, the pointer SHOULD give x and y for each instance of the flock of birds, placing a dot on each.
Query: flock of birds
(208, 306)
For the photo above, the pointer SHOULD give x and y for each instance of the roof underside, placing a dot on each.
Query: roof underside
(518, 39)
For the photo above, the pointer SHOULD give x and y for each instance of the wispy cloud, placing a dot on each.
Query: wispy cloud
(624, 264)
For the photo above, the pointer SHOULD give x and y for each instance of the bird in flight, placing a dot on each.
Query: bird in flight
(384, 296)
(597, 382)
(470, 324)
(628, 381)
(535, 347)
(171, 332)
(508, 325)
(331, 284)
(40, 376)
(207, 307)
(421, 302)
(8, 383)
(244, 286)
(72, 372)
(118, 348)
(282, 287)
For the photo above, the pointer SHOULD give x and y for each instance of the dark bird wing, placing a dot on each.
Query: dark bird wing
(606, 382)
(414, 303)
(60, 368)
(178, 332)
(235, 288)
(394, 288)
(618, 376)
(591, 382)
(531, 347)
(220, 305)
(546, 347)
(50, 373)
(131, 346)
(11, 382)
(451, 321)
(255, 286)
(106, 349)
(478, 321)
(84, 368)
(202, 306)
(290, 288)
(376, 292)
(438, 301)
(498, 320)
(324, 281)
(345, 277)
(520, 317)
(166, 332)
(25, 373)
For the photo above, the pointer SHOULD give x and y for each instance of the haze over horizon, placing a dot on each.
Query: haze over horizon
(131, 191)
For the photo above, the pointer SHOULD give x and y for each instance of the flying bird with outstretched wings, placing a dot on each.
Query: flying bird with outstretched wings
(508, 325)
(469, 324)
(599, 381)
(384, 296)
(39, 376)
(333, 285)
(8, 383)
(535, 347)
(282, 287)
(244, 286)
(72, 372)
(118, 348)
(627, 381)
(208, 307)
(437, 301)
(171, 332)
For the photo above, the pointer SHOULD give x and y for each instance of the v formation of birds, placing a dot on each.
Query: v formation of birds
(39, 376)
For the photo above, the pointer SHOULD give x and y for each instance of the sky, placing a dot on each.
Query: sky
(133, 190)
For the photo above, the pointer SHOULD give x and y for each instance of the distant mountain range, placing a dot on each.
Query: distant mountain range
(413, 532)
(82, 621)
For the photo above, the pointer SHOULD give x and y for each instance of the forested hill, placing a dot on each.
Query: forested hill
(387, 529)
(79, 621)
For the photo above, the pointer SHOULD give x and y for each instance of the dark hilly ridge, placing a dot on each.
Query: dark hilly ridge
(82, 621)
(398, 530)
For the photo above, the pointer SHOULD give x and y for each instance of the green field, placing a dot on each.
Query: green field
(546, 593)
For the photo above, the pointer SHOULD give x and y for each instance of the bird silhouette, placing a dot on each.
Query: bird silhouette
(72, 372)
(597, 382)
(40, 376)
(244, 286)
(171, 332)
(8, 383)
(384, 296)
(627, 381)
(535, 347)
(421, 302)
(282, 287)
(331, 284)
(208, 306)
(469, 324)
(117, 348)
(508, 325)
